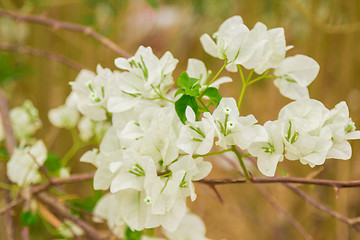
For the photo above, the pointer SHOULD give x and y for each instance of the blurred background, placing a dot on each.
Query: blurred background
(326, 30)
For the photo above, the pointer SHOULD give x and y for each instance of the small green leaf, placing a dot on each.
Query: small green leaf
(153, 3)
(132, 235)
(194, 91)
(28, 218)
(213, 94)
(52, 163)
(185, 81)
(180, 91)
(182, 103)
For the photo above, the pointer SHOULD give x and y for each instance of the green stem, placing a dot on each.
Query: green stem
(242, 95)
(212, 153)
(242, 164)
(70, 154)
(203, 104)
(160, 95)
(217, 74)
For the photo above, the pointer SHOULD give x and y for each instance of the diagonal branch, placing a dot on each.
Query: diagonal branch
(60, 209)
(321, 182)
(56, 24)
(350, 221)
(41, 53)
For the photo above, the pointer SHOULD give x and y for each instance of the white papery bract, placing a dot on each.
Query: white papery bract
(295, 74)
(91, 92)
(269, 50)
(64, 117)
(191, 228)
(146, 77)
(232, 42)
(269, 153)
(259, 49)
(305, 137)
(231, 129)
(23, 166)
(196, 136)
(343, 129)
(25, 120)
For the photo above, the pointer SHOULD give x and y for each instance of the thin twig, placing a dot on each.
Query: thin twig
(41, 53)
(54, 181)
(349, 221)
(56, 24)
(10, 146)
(56, 206)
(282, 211)
(321, 182)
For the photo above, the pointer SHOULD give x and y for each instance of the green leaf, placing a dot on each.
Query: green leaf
(194, 91)
(213, 94)
(52, 163)
(182, 103)
(180, 91)
(28, 218)
(185, 81)
(132, 235)
(153, 3)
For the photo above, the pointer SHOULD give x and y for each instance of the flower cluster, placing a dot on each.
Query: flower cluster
(153, 136)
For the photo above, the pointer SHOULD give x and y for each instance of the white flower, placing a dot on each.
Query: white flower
(343, 129)
(64, 117)
(191, 227)
(269, 153)
(89, 128)
(270, 48)
(231, 129)
(295, 74)
(231, 41)
(91, 92)
(193, 170)
(23, 166)
(154, 134)
(305, 137)
(147, 78)
(196, 137)
(107, 208)
(25, 120)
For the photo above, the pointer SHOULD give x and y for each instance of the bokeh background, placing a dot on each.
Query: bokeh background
(326, 30)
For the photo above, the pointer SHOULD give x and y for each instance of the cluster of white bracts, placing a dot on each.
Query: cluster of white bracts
(148, 159)
(138, 160)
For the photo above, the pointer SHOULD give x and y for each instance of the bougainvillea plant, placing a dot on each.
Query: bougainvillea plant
(155, 133)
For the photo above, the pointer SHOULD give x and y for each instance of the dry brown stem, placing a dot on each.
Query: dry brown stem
(41, 53)
(56, 24)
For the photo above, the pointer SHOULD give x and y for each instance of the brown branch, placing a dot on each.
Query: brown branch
(321, 182)
(56, 24)
(54, 181)
(56, 206)
(10, 146)
(350, 221)
(283, 212)
(41, 53)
